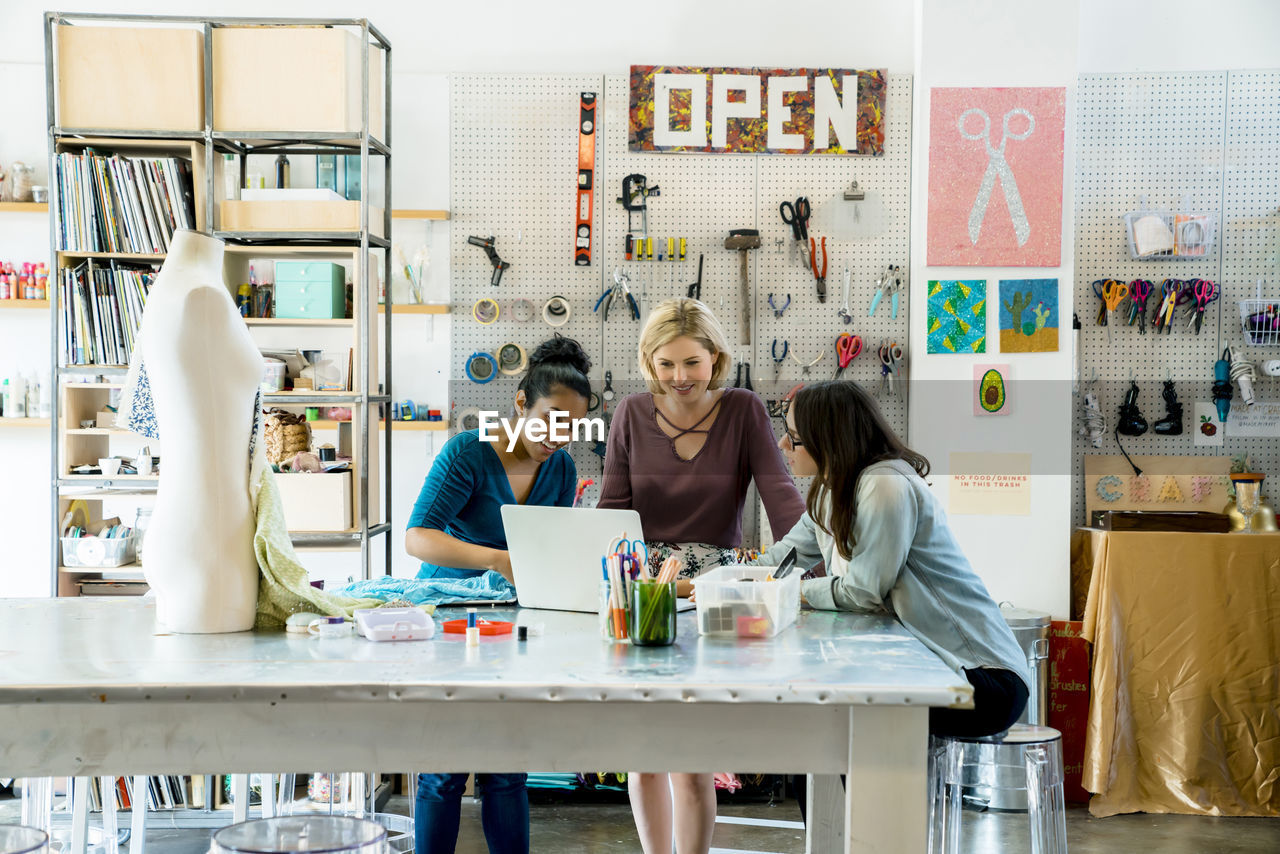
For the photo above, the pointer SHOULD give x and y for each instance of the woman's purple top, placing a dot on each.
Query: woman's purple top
(698, 500)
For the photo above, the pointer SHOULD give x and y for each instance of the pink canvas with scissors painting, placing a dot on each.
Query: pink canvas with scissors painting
(995, 177)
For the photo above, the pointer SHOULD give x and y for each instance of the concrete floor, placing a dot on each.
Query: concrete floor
(596, 828)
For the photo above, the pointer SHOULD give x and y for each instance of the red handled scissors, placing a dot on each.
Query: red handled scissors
(847, 349)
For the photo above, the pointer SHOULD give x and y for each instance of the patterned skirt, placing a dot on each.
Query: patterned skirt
(696, 557)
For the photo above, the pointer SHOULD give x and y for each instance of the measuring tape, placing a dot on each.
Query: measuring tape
(556, 311)
(485, 311)
(512, 359)
(586, 176)
(481, 368)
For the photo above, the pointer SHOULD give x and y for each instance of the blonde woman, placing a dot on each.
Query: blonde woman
(683, 455)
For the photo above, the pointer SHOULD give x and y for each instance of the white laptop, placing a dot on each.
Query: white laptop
(556, 551)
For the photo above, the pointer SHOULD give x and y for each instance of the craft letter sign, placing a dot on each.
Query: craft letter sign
(757, 110)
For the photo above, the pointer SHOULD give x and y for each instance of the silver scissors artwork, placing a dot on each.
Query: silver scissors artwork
(997, 166)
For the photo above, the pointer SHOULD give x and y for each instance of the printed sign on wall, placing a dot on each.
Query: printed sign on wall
(995, 177)
(757, 110)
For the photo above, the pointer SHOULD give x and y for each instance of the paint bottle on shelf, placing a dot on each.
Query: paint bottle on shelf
(282, 171)
(45, 409)
(15, 402)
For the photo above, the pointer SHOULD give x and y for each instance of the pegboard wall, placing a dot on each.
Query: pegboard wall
(1213, 137)
(513, 160)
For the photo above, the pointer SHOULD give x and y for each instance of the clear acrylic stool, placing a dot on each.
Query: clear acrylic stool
(18, 839)
(38, 809)
(334, 834)
(998, 770)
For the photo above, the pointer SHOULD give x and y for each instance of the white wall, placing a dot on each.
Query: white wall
(1178, 35)
(1023, 559)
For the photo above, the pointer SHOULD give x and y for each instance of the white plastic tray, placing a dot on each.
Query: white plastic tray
(395, 624)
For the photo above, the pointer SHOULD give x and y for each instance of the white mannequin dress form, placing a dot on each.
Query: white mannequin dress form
(204, 373)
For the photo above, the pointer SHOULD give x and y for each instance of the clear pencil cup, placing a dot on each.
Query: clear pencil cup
(653, 613)
(612, 614)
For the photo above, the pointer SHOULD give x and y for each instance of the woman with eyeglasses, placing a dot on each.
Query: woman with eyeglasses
(883, 534)
(684, 454)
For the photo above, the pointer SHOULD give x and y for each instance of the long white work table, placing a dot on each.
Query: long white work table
(93, 687)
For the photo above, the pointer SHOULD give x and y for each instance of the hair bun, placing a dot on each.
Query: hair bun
(559, 350)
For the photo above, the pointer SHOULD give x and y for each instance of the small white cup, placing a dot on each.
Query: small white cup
(110, 466)
(143, 463)
(328, 627)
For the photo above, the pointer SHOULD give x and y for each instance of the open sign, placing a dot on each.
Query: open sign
(754, 110)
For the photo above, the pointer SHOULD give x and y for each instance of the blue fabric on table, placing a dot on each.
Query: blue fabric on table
(466, 488)
(485, 587)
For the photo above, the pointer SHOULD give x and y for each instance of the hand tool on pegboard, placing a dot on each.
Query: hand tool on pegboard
(797, 216)
(620, 292)
(743, 240)
(488, 245)
(819, 272)
(586, 178)
(635, 197)
(695, 289)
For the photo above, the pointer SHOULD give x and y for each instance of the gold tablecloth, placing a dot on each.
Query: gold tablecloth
(1185, 715)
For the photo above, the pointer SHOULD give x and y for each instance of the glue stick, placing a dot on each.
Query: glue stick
(473, 631)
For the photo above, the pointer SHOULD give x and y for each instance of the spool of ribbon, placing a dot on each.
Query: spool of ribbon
(481, 368)
(485, 311)
(556, 311)
(512, 359)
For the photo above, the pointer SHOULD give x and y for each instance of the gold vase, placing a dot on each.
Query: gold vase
(1233, 513)
(1264, 520)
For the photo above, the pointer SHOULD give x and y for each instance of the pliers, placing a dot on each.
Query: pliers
(778, 358)
(621, 288)
(819, 275)
(737, 381)
(778, 310)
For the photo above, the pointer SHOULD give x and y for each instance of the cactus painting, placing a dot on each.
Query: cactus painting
(1028, 315)
(957, 316)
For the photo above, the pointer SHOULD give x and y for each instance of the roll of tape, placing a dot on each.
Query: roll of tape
(485, 311)
(556, 311)
(481, 368)
(468, 418)
(522, 310)
(512, 359)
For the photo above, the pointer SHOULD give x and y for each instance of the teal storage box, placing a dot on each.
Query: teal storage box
(310, 290)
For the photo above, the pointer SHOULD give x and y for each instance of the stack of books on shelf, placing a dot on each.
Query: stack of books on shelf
(121, 204)
(101, 312)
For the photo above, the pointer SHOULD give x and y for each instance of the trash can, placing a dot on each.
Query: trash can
(19, 839)
(1031, 630)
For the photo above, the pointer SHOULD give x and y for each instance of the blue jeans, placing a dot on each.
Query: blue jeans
(504, 812)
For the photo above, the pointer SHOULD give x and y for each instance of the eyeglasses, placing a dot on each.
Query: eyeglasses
(793, 437)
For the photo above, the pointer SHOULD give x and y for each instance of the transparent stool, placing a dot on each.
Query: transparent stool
(18, 839)
(328, 833)
(38, 808)
(997, 773)
(347, 794)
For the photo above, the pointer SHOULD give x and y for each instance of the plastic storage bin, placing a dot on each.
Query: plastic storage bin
(1161, 236)
(737, 601)
(97, 551)
(310, 289)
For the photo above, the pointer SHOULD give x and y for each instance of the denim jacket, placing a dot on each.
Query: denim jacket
(907, 563)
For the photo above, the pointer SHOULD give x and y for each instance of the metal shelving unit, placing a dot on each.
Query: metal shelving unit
(368, 397)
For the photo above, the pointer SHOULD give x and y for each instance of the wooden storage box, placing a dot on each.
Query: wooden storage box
(240, 215)
(130, 78)
(293, 79)
(316, 502)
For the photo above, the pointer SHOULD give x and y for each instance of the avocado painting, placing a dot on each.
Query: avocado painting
(957, 316)
(991, 390)
(1028, 315)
